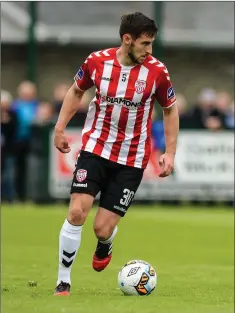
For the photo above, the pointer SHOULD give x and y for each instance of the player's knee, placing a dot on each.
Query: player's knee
(102, 231)
(76, 215)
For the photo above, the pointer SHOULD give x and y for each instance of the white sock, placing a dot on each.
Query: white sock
(69, 243)
(110, 239)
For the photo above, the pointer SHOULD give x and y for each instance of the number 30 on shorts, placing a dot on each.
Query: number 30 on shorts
(128, 195)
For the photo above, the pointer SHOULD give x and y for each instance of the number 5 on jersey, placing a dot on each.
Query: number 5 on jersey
(124, 77)
(128, 195)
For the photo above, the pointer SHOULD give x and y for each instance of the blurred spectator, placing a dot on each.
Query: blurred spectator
(25, 107)
(45, 117)
(181, 103)
(59, 95)
(157, 132)
(205, 115)
(183, 111)
(158, 145)
(80, 116)
(8, 137)
(230, 119)
(223, 104)
(41, 128)
(45, 113)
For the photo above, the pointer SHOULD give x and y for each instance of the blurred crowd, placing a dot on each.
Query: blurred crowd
(213, 110)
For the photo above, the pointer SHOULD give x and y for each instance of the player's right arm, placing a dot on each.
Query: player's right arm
(69, 108)
(71, 104)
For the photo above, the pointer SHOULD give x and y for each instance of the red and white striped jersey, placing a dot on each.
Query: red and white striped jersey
(118, 123)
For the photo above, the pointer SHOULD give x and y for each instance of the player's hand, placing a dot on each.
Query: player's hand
(167, 164)
(61, 142)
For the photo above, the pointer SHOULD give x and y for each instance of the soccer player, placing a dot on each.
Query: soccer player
(115, 138)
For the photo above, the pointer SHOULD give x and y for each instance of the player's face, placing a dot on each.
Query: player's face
(140, 48)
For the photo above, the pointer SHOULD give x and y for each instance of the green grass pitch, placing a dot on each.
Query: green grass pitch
(191, 250)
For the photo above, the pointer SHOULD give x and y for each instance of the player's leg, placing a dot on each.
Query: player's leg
(85, 186)
(105, 228)
(116, 197)
(70, 239)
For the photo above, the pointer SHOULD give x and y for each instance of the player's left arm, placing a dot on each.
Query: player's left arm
(166, 97)
(171, 130)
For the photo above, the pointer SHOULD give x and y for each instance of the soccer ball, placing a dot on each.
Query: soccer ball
(137, 277)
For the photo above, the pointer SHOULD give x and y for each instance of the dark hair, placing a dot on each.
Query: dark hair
(136, 24)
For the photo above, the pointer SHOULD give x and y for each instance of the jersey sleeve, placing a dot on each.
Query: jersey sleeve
(83, 76)
(165, 94)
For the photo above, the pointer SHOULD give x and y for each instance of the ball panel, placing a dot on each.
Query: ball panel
(141, 286)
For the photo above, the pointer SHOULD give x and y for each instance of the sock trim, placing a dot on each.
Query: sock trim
(71, 228)
(110, 239)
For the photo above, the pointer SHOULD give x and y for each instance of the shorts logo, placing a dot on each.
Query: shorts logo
(81, 175)
(79, 74)
(170, 93)
(119, 208)
(79, 185)
(140, 86)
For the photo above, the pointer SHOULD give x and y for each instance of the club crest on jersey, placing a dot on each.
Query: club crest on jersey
(140, 86)
(81, 175)
(79, 74)
(170, 93)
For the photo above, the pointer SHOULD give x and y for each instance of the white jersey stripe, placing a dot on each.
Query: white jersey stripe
(141, 146)
(113, 132)
(90, 117)
(105, 52)
(123, 154)
(160, 65)
(93, 75)
(104, 85)
(97, 53)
